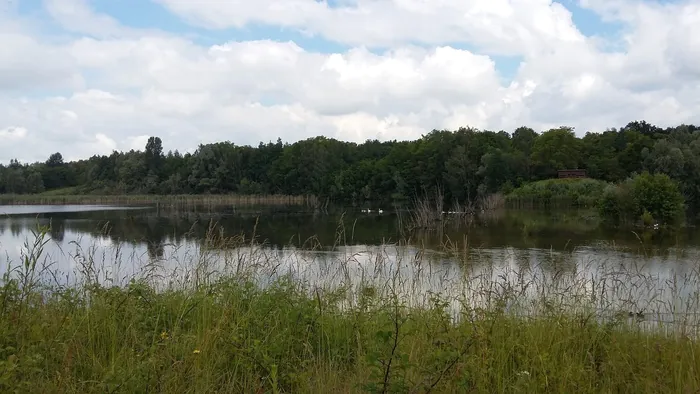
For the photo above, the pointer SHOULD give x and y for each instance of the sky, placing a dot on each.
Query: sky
(86, 77)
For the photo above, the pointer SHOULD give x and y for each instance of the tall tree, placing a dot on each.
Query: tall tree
(154, 155)
(556, 149)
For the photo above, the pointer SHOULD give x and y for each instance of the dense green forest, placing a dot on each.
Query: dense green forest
(464, 164)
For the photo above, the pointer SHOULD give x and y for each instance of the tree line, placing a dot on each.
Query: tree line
(464, 164)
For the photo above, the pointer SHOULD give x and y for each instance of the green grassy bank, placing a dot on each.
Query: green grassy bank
(231, 337)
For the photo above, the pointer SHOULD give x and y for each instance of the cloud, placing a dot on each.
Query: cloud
(78, 16)
(260, 90)
(411, 66)
(12, 133)
(514, 27)
(138, 142)
(26, 64)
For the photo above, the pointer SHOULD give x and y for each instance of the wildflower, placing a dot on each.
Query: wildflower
(196, 351)
(164, 335)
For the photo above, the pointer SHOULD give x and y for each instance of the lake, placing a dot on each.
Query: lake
(563, 256)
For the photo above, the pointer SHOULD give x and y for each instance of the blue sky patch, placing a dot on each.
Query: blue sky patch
(147, 14)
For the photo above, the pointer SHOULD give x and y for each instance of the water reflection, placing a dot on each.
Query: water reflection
(521, 230)
(56, 209)
(565, 256)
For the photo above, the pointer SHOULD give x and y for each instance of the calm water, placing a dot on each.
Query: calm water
(563, 253)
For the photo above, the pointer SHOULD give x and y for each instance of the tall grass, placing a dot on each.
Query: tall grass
(179, 201)
(492, 202)
(426, 212)
(231, 317)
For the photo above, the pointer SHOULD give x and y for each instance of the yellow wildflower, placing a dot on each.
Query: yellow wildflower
(164, 335)
(196, 351)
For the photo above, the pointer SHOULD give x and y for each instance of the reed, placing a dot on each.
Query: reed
(163, 200)
(492, 202)
(427, 211)
(232, 316)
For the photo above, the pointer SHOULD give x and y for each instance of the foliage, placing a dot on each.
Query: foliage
(551, 192)
(645, 197)
(467, 164)
(554, 150)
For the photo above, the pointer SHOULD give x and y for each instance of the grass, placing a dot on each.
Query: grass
(229, 317)
(64, 191)
(558, 193)
(58, 197)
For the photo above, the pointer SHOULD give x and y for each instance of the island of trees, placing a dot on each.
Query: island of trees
(464, 164)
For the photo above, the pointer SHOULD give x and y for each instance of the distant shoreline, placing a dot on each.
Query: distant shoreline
(172, 200)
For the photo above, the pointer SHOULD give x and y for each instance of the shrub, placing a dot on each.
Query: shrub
(559, 192)
(646, 197)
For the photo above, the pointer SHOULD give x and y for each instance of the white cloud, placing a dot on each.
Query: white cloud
(105, 86)
(77, 16)
(102, 144)
(26, 64)
(498, 26)
(138, 142)
(12, 133)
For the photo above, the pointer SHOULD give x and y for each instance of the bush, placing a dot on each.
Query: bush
(646, 197)
(559, 193)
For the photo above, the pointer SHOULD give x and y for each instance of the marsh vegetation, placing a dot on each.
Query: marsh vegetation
(131, 301)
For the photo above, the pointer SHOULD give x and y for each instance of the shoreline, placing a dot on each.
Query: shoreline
(174, 199)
